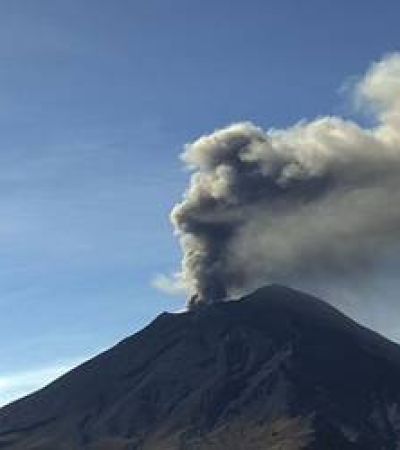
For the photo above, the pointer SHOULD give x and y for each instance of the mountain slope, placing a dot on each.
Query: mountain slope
(277, 369)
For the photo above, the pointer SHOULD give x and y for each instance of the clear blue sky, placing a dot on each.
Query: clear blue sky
(97, 99)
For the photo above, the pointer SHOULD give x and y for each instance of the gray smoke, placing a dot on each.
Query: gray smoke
(319, 198)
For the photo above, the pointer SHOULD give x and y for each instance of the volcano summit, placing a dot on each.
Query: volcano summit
(277, 369)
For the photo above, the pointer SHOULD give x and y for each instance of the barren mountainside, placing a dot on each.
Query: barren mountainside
(278, 369)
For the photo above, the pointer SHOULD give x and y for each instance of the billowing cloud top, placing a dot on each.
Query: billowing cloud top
(321, 197)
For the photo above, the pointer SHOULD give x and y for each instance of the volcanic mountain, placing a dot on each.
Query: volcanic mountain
(278, 369)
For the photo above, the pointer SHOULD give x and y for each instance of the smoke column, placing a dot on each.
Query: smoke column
(319, 198)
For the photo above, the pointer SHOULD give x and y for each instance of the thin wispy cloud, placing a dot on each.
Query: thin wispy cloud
(169, 285)
(18, 384)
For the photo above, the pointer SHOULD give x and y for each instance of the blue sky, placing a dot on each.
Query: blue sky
(97, 100)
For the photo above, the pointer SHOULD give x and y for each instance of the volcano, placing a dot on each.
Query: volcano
(278, 369)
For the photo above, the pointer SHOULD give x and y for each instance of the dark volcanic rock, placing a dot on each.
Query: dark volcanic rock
(278, 367)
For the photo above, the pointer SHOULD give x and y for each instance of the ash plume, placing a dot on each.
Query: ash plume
(319, 198)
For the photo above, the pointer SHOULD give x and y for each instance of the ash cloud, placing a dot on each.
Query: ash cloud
(321, 198)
